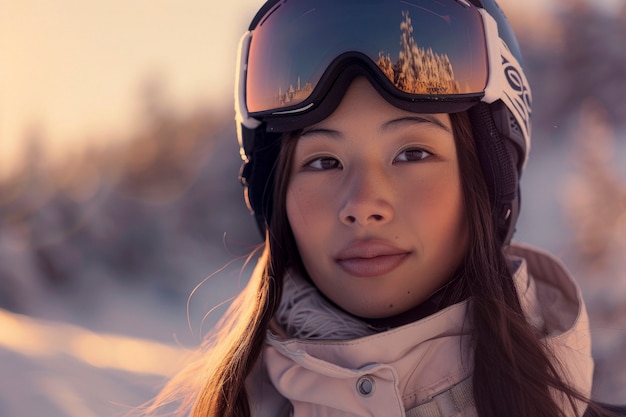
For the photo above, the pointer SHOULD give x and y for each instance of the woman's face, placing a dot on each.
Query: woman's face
(375, 204)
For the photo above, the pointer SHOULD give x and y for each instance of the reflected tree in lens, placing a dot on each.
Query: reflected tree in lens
(294, 95)
(418, 70)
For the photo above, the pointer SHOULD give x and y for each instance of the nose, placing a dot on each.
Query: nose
(367, 200)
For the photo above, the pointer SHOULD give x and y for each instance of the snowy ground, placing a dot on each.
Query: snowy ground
(103, 363)
(72, 361)
(47, 372)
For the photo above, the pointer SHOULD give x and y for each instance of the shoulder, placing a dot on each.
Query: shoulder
(547, 289)
(553, 303)
(553, 286)
(543, 266)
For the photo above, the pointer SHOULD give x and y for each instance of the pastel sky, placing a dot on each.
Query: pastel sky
(70, 68)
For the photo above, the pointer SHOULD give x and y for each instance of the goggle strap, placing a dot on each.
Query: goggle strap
(516, 93)
(502, 66)
(495, 82)
(241, 111)
(242, 118)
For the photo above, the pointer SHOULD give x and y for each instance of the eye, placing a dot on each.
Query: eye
(412, 155)
(323, 163)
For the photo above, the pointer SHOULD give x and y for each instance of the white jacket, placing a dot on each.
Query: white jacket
(420, 369)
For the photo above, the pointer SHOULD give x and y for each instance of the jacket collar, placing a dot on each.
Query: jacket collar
(429, 356)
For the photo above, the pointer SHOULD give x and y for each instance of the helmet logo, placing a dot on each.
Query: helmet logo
(517, 94)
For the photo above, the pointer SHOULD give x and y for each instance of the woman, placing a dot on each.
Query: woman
(383, 143)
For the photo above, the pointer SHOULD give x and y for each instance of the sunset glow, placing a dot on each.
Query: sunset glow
(73, 71)
(34, 338)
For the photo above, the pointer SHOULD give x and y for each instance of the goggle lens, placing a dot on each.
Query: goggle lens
(424, 48)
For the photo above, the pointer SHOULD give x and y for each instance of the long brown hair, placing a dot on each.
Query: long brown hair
(213, 382)
(514, 373)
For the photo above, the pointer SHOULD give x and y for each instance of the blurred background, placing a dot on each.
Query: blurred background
(119, 190)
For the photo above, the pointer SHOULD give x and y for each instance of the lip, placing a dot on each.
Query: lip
(370, 258)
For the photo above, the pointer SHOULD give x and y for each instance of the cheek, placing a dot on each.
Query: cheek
(308, 215)
(297, 202)
(437, 209)
(451, 219)
(442, 190)
(305, 209)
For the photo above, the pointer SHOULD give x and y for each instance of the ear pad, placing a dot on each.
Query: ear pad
(498, 159)
(257, 175)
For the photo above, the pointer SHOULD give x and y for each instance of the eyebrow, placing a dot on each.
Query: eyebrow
(410, 120)
(390, 125)
(321, 131)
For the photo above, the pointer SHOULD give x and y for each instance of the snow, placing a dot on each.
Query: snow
(108, 361)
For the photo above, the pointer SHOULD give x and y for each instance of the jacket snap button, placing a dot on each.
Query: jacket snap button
(365, 386)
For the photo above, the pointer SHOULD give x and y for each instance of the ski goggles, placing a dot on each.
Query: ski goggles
(437, 52)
